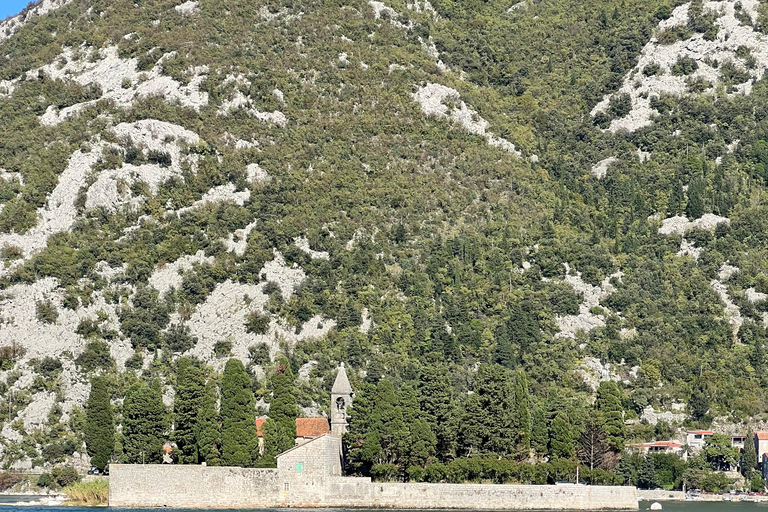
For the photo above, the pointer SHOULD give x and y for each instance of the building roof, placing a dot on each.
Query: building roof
(305, 427)
(762, 436)
(705, 432)
(259, 424)
(312, 427)
(738, 436)
(341, 386)
(665, 444)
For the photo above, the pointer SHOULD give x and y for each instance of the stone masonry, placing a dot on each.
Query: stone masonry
(188, 486)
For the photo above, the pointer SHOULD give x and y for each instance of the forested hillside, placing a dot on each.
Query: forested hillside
(527, 229)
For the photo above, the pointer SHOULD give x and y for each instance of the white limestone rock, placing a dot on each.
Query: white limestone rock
(239, 101)
(188, 8)
(732, 35)
(13, 24)
(111, 190)
(303, 244)
(586, 320)
(753, 295)
(600, 169)
(680, 225)
(653, 417)
(442, 102)
(111, 74)
(35, 415)
(169, 275)
(241, 244)
(221, 194)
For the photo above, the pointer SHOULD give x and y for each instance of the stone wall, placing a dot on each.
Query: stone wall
(226, 487)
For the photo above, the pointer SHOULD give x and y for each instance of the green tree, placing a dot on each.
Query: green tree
(522, 414)
(487, 421)
(646, 477)
(609, 404)
(438, 406)
(694, 208)
(144, 425)
(239, 438)
(561, 445)
(280, 429)
(539, 431)
(749, 458)
(99, 424)
(699, 402)
(190, 390)
(719, 453)
(208, 435)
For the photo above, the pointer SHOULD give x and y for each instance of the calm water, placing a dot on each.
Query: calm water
(668, 506)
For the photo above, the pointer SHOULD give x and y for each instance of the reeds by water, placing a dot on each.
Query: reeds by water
(91, 493)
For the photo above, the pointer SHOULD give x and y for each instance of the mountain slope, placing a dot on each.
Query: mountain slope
(384, 184)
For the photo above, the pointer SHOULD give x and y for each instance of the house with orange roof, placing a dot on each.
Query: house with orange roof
(695, 438)
(659, 447)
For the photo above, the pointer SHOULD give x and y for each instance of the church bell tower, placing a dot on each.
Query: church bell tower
(341, 399)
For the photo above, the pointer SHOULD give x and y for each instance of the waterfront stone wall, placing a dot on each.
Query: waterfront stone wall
(188, 486)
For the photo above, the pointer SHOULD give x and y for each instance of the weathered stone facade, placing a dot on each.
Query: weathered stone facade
(188, 486)
(320, 456)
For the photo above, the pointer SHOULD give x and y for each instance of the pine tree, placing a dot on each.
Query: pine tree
(749, 461)
(239, 437)
(561, 438)
(609, 405)
(522, 414)
(144, 424)
(99, 424)
(208, 422)
(190, 389)
(280, 429)
(438, 406)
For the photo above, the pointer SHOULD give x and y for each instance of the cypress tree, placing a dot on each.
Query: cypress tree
(561, 440)
(749, 462)
(143, 424)
(208, 424)
(695, 206)
(609, 404)
(646, 477)
(239, 437)
(99, 424)
(539, 432)
(190, 389)
(280, 429)
(522, 413)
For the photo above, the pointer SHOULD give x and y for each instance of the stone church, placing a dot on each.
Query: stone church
(318, 449)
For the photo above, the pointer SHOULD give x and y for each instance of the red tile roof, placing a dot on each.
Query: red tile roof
(668, 444)
(705, 432)
(762, 435)
(312, 427)
(305, 427)
(259, 424)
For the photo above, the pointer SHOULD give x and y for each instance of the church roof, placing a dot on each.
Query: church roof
(312, 427)
(341, 386)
